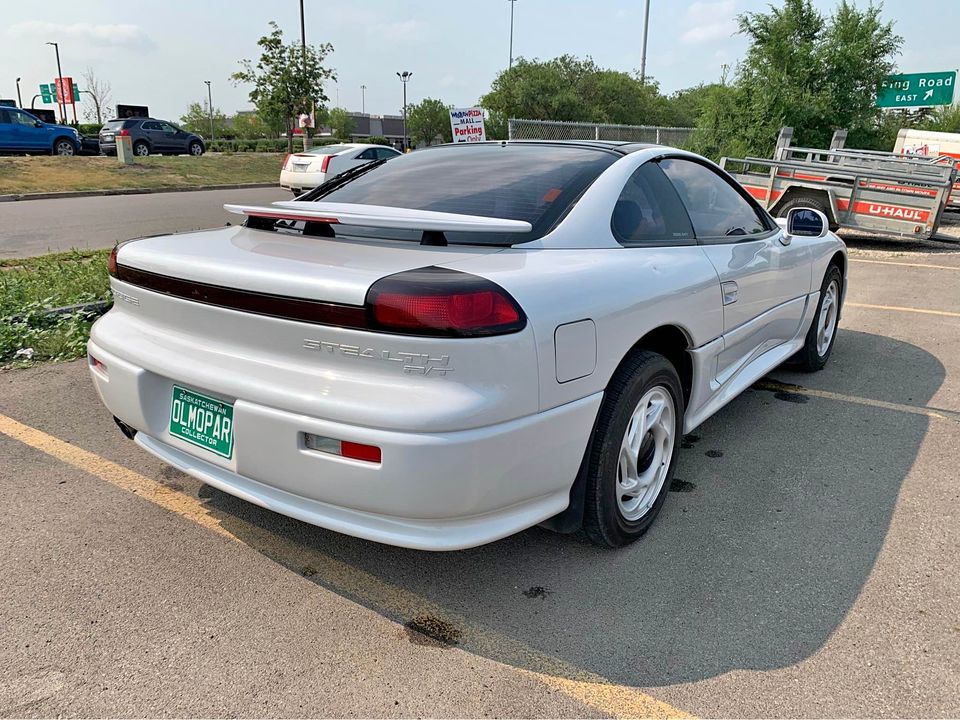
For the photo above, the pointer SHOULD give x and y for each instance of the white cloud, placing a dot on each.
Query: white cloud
(709, 21)
(105, 35)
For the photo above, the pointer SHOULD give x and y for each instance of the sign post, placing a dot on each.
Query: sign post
(466, 125)
(917, 90)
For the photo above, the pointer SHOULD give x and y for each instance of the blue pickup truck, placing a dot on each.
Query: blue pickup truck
(21, 132)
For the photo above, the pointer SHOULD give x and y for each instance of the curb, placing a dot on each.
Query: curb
(131, 191)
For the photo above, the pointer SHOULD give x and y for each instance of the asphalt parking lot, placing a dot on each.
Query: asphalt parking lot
(807, 563)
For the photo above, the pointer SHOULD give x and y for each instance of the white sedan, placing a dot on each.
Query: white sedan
(303, 171)
(447, 348)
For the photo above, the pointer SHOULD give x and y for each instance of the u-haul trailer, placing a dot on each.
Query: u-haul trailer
(906, 158)
(873, 197)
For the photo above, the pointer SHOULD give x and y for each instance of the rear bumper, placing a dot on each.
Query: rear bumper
(431, 491)
(290, 180)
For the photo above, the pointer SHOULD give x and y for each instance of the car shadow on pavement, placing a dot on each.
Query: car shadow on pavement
(782, 504)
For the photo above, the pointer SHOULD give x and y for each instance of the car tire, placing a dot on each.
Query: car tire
(141, 149)
(64, 147)
(822, 334)
(807, 201)
(630, 466)
(196, 148)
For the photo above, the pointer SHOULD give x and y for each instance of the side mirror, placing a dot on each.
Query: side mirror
(804, 222)
(37, 123)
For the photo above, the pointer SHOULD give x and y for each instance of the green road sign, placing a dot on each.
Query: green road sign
(917, 90)
(47, 93)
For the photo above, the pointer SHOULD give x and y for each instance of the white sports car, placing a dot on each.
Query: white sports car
(303, 171)
(447, 348)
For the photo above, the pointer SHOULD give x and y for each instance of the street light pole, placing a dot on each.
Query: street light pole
(512, 3)
(643, 50)
(405, 78)
(61, 105)
(19, 99)
(210, 109)
(363, 99)
(303, 56)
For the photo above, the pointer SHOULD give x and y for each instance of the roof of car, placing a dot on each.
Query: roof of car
(618, 146)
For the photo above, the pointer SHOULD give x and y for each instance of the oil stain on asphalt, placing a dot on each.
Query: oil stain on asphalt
(432, 631)
(678, 485)
(537, 591)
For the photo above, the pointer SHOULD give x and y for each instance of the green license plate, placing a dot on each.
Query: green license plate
(203, 421)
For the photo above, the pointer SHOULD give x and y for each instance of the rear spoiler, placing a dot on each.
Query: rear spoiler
(380, 216)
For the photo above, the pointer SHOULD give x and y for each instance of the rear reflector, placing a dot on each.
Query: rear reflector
(97, 365)
(343, 448)
(441, 302)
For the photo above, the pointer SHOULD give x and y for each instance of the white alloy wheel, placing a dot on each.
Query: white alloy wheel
(141, 150)
(645, 453)
(65, 147)
(827, 322)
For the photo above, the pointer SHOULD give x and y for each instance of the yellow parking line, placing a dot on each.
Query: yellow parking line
(777, 386)
(615, 700)
(906, 264)
(896, 308)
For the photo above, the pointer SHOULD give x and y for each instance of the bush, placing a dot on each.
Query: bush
(379, 140)
(89, 128)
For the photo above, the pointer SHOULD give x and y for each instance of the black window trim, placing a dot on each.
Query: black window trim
(764, 216)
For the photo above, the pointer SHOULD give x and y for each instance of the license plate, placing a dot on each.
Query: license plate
(300, 168)
(202, 421)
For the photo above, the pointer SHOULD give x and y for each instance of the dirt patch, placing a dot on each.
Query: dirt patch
(432, 631)
(678, 485)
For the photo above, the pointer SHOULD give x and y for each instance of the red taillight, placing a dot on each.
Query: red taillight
(124, 132)
(441, 302)
(285, 161)
(325, 163)
(112, 261)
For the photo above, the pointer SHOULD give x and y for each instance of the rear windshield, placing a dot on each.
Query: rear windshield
(327, 149)
(113, 124)
(535, 183)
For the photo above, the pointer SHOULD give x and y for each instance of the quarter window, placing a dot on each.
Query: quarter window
(716, 208)
(649, 211)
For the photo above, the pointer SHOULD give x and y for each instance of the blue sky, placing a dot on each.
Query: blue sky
(160, 53)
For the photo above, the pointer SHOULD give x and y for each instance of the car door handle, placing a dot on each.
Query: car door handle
(730, 291)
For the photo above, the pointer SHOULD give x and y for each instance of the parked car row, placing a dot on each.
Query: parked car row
(22, 132)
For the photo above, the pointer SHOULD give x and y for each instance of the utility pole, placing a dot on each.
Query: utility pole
(405, 78)
(210, 109)
(363, 99)
(643, 50)
(19, 99)
(61, 104)
(303, 52)
(512, 3)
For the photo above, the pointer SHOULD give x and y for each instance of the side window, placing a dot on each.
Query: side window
(386, 153)
(4, 116)
(649, 212)
(167, 127)
(150, 126)
(368, 154)
(716, 208)
(21, 118)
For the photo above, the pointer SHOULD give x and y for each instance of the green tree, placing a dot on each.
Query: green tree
(340, 122)
(944, 119)
(287, 80)
(247, 126)
(813, 73)
(571, 89)
(197, 120)
(684, 107)
(428, 119)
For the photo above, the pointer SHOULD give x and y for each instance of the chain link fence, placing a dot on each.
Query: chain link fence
(560, 130)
